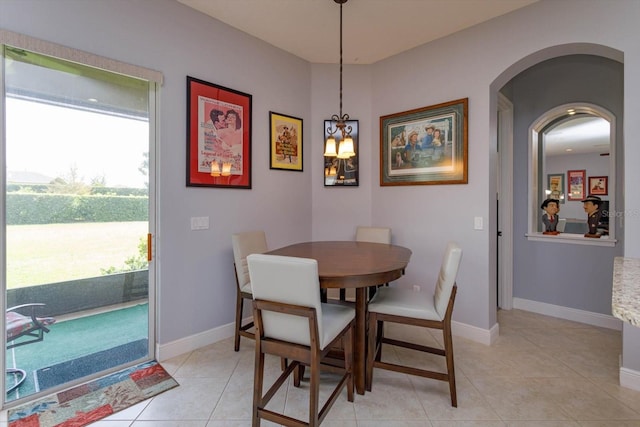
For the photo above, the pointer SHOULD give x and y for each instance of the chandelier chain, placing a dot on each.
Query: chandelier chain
(341, 119)
(341, 60)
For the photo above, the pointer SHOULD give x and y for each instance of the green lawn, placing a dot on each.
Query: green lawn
(40, 254)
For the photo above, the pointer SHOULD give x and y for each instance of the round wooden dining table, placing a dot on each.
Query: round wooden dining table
(359, 265)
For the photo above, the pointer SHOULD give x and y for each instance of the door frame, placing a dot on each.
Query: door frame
(505, 205)
(155, 80)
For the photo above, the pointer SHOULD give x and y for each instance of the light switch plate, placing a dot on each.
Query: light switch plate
(200, 223)
(477, 223)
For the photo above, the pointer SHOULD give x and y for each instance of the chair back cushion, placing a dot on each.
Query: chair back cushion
(447, 278)
(288, 280)
(245, 244)
(373, 234)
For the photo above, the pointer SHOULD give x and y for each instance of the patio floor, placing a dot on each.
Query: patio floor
(71, 338)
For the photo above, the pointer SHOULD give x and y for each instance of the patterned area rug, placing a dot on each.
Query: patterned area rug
(95, 400)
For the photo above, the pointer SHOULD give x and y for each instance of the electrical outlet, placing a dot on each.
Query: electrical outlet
(416, 288)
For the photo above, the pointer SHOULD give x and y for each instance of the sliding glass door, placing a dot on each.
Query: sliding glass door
(77, 222)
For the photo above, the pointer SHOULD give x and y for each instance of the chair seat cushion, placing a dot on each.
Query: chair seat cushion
(403, 302)
(18, 324)
(284, 327)
(334, 319)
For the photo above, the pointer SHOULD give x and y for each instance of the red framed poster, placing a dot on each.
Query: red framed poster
(576, 180)
(218, 136)
(599, 185)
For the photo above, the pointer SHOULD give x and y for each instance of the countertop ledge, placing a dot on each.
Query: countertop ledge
(626, 290)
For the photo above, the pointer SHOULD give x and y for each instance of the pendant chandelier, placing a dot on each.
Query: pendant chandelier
(339, 121)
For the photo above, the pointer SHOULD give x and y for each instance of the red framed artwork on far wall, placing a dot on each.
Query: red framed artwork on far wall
(599, 185)
(218, 136)
(576, 184)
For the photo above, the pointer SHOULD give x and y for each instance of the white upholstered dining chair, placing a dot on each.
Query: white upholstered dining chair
(409, 307)
(372, 235)
(292, 323)
(244, 244)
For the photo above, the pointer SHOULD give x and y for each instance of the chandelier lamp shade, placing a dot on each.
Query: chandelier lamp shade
(345, 148)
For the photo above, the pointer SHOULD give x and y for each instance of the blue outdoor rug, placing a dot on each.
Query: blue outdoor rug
(71, 370)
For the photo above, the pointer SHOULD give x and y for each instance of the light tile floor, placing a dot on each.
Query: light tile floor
(542, 371)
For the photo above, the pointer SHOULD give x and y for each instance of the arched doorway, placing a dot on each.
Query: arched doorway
(584, 64)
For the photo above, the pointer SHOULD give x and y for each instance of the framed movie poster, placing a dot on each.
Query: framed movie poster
(218, 136)
(341, 170)
(555, 186)
(576, 180)
(285, 134)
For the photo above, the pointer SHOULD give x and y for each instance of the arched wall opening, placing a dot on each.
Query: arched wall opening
(529, 274)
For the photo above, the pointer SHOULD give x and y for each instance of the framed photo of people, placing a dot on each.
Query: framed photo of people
(425, 146)
(218, 136)
(341, 167)
(285, 134)
(576, 180)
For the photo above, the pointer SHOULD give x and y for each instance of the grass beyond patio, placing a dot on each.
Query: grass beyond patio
(50, 253)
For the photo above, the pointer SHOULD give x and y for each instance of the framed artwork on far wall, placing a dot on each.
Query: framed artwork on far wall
(576, 182)
(425, 146)
(285, 135)
(341, 171)
(218, 136)
(555, 187)
(599, 185)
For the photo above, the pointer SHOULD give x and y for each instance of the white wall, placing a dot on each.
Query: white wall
(197, 279)
(465, 65)
(197, 285)
(472, 64)
(337, 210)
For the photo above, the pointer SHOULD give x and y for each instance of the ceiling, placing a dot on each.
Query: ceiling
(579, 135)
(372, 29)
(377, 29)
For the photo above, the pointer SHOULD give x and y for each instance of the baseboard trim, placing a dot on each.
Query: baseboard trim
(630, 378)
(194, 342)
(202, 339)
(473, 333)
(582, 316)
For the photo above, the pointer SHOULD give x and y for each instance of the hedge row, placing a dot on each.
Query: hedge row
(65, 208)
(47, 188)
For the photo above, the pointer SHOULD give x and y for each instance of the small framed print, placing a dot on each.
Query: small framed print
(555, 186)
(218, 136)
(286, 142)
(576, 180)
(599, 185)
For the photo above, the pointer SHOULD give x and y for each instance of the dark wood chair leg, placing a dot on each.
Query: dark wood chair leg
(239, 308)
(258, 380)
(343, 294)
(378, 338)
(347, 345)
(297, 376)
(371, 346)
(448, 347)
(314, 391)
